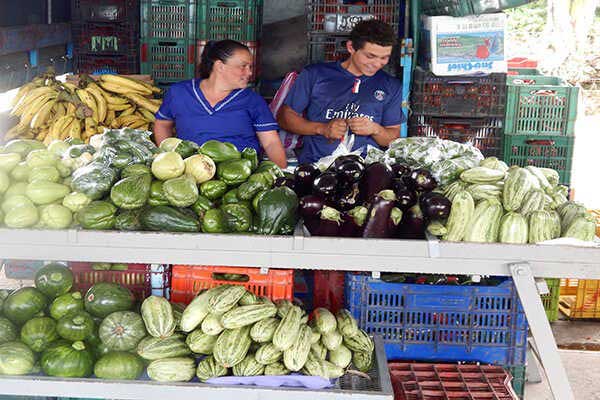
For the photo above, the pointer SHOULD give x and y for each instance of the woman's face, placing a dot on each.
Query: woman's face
(237, 70)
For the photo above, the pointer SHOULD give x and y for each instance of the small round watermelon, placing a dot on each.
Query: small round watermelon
(54, 279)
(103, 299)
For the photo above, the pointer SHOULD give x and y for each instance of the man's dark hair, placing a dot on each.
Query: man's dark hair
(372, 31)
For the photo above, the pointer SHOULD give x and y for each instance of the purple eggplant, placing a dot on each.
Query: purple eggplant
(422, 180)
(343, 159)
(310, 206)
(349, 198)
(435, 206)
(378, 225)
(399, 170)
(350, 171)
(312, 224)
(413, 224)
(285, 181)
(394, 221)
(377, 177)
(304, 176)
(329, 223)
(405, 196)
(326, 185)
(353, 222)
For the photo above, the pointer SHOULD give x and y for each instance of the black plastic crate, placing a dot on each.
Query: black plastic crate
(106, 39)
(105, 11)
(458, 96)
(332, 16)
(101, 64)
(483, 133)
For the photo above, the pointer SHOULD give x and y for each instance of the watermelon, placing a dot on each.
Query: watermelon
(66, 304)
(75, 326)
(68, 361)
(38, 333)
(15, 359)
(54, 279)
(122, 330)
(24, 304)
(103, 299)
(119, 365)
(8, 331)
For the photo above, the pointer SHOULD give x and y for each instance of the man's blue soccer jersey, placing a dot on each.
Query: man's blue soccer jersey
(327, 91)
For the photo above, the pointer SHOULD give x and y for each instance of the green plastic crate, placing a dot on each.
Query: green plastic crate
(523, 71)
(518, 381)
(168, 60)
(239, 20)
(168, 19)
(554, 152)
(550, 300)
(461, 8)
(540, 105)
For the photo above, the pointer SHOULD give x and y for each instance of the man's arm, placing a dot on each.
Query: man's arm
(386, 135)
(291, 121)
(162, 129)
(383, 135)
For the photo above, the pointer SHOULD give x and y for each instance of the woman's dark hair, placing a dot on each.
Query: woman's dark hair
(214, 51)
(372, 31)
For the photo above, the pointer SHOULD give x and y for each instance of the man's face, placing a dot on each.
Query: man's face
(371, 58)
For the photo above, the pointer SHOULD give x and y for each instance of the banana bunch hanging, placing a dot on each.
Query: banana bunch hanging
(52, 110)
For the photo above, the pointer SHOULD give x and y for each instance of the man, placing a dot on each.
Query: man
(331, 100)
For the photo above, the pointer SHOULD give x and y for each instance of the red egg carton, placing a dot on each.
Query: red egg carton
(188, 280)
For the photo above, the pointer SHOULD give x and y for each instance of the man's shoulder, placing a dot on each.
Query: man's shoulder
(392, 83)
(322, 67)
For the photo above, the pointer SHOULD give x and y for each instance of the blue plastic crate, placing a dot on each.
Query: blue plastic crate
(441, 323)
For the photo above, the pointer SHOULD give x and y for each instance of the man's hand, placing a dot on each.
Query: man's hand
(363, 126)
(335, 129)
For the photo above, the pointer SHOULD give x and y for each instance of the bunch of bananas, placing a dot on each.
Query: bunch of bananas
(51, 110)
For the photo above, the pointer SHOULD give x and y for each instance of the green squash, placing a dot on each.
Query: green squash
(54, 280)
(75, 326)
(38, 333)
(66, 304)
(8, 331)
(122, 330)
(119, 365)
(131, 192)
(97, 215)
(24, 304)
(128, 220)
(181, 191)
(68, 361)
(16, 359)
(103, 299)
(135, 169)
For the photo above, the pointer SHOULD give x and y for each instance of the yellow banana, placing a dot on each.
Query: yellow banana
(87, 99)
(130, 111)
(71, 108)
(34, 107)
(59, 110)
(30, 98)
(118, 107)
(90, 128)
(100, 129)
(75, 129)
(43, 115)
(137, 124)
(110, 99)
(123, 121)
(123, 83)
(42, 135)
(14, 132)
(148, 115)
(71, 87)
(110, 116)
(59, 126)
(23, 91)
(100, 100)
(142, 101)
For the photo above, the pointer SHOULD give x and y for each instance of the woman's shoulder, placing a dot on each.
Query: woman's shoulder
(182, 86)
(252, 96)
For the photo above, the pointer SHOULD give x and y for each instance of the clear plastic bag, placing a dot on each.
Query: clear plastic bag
(343, 149)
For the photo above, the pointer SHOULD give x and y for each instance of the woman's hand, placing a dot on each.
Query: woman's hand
(270, 141)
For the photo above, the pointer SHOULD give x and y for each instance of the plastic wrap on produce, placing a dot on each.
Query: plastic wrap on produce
(122, 147)
(343, 149)
(94, 180)
(311, 382)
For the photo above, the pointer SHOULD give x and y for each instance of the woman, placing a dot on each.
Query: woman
(219, 106)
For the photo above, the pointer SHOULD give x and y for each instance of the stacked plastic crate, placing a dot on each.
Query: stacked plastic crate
(239, 20)
(105, 36)
(330, 23)
(174, 33)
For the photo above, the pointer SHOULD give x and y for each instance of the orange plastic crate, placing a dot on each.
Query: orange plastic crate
(137, 278)
(580, 298)
(188, 280)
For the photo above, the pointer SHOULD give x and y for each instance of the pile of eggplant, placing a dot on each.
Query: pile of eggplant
(351, 199)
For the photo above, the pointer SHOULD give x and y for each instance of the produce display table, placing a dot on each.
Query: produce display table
(522, 262)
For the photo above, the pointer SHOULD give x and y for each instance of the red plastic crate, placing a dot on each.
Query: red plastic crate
(105, 10)
(137, 278)
(329, 290)
(416, 381)
(522, 62)
(254, 52)
(106, 39)
(188, 280)
(101, 64)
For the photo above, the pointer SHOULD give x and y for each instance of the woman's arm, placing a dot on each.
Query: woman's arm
(162, 129)
(270, 141)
